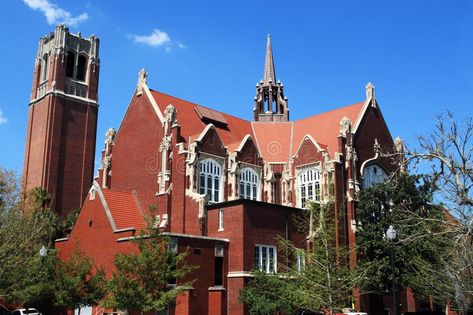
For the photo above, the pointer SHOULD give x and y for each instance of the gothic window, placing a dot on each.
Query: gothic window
(44, 75)
(266, 258)
(248, 184)
(210, 172)
(81, 67)
(70, 61)
(373, 174)
(76, 66)
(309, 186)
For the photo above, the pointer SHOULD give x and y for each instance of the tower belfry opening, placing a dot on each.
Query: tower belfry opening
(270, 102)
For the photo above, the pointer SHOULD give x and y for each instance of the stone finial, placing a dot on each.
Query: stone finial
(142, 81)
(345, 126)
(370, 91)
(110, 135)
(170, 114)
(399, 145)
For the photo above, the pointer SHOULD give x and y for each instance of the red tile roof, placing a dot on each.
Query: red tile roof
(274, 140)
(277, 142)
(125, 209)
(325, 127)
(191, 124)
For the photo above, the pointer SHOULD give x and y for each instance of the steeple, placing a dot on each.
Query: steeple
(270, 104)
(269, 73)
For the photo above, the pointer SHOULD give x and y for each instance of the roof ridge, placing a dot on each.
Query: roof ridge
(329, 111)
(209, 108)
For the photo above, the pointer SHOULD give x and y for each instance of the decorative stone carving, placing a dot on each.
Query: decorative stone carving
(376, 147)
(142, 81)
(165, 144)
(106, 162)
(399, 145)
(345, 126)
(110, 136)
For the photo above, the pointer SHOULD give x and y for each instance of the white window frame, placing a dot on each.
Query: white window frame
(310, 186)
(266, 258)
(373, 174)
(220, 219)
(249, 179)
(211, 171)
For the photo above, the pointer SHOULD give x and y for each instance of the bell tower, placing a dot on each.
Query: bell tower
(270, 102)
(62, 118)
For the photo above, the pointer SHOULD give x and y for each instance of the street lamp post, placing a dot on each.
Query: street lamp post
(42, 253)
(391, 234)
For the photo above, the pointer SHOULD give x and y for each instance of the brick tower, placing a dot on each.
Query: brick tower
(62, 118)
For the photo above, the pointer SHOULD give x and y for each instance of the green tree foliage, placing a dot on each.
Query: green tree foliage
(421, 250)
(27, 278)
(142, 280)
(77, 283)
(321, 281)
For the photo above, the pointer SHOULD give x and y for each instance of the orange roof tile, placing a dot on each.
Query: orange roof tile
(192, 125)
(274, 140)
(125, 209)
(325, 127)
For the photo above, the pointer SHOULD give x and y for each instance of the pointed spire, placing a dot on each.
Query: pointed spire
(269, 73)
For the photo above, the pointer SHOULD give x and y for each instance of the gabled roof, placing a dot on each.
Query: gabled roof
(191, 124)
(277, 141)
(125, 209)
(325, 127)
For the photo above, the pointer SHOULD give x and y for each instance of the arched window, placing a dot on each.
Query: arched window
(248, 184)
(373, 174)
(70, 61)
(309, 186)
(45, 68)
(81, 67)
(209, 183)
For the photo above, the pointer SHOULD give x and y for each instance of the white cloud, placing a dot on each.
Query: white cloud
(3, 118)
(155, 39)
(55, 14)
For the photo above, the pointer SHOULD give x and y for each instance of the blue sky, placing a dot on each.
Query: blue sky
(418, 54)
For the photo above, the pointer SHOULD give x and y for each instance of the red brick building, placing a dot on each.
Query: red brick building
(62, 118)
(223, 186)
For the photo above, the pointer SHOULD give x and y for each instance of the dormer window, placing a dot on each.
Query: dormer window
(210, 172)
(76, 66)
(373, 174)
(248, 184)
(309, 186)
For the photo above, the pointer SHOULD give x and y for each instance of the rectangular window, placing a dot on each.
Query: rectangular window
(202, 184)
(266, 258)
(216, 189)
(317, 191)
(310, 192)
(220, 219)
(303, 196)
(255, 192)
(209, 188)
(218, 271)
(242, 190)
